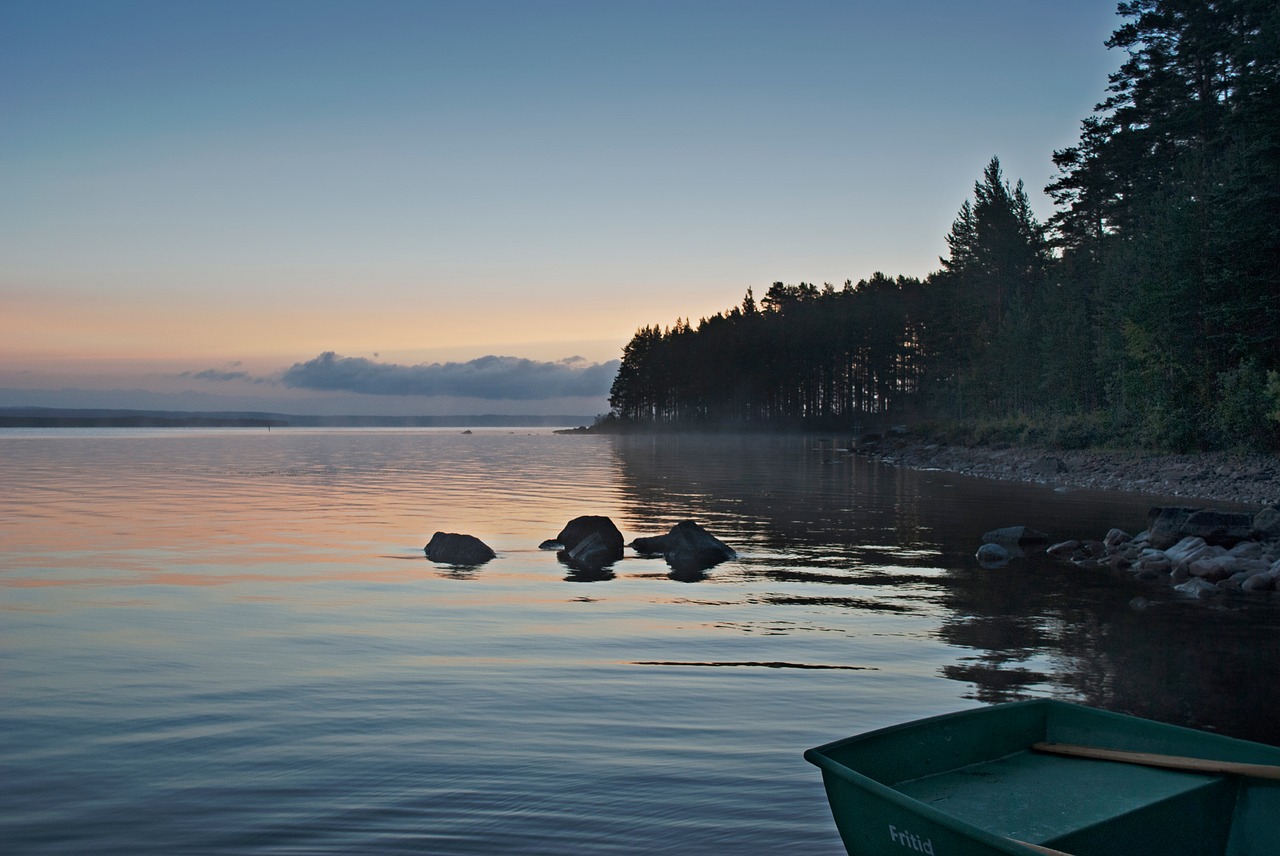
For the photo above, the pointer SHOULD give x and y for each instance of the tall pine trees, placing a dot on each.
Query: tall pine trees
(1150, 303)
(983, 330)
(1171, 221)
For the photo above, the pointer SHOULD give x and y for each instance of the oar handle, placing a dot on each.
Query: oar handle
(1169, 762)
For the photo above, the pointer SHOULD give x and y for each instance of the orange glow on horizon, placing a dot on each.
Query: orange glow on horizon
(175, 328)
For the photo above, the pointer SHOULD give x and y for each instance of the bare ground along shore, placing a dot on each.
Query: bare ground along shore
(1248, 479)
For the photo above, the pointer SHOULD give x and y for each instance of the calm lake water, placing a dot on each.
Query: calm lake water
(231, 641)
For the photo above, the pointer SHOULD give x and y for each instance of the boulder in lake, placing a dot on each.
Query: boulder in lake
(592, 553)
(579, 529)
(687, 547)
(650, 545)
(451, 548)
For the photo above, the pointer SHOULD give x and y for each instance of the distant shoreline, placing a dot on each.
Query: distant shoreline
(50, 417)
(134, 422)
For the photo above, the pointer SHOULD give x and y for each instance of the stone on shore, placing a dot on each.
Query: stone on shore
(1170, 524)
(1187, 547)
(1266, 524)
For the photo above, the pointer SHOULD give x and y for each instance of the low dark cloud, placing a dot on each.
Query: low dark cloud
(490, 378)
(217, 374)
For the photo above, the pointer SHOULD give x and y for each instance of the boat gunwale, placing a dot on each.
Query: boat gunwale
(820, 756)
(895, 797)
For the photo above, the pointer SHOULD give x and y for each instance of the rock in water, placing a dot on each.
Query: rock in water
(579, 529)
(589, 554)
(992, 556)
(1016, 536)
(450, 548)
(653, 545)
(1197, 588)
(689, 547)
(1063, 549)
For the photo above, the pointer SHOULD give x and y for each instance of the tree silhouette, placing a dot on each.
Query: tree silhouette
(1149, 306)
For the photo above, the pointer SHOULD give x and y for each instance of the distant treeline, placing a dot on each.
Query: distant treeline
(1145, 311)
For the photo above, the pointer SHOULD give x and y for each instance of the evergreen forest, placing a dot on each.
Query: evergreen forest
(1145, 311)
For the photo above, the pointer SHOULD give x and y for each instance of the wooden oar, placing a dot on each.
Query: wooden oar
(1170, 762)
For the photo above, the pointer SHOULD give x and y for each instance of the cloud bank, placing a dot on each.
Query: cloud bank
(491, 378)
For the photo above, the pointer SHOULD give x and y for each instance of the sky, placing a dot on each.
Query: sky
(469, 206)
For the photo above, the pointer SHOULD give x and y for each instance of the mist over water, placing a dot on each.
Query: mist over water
(230, 641)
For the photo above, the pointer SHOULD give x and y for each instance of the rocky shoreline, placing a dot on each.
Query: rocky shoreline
(1199, 551)
(1207, 478)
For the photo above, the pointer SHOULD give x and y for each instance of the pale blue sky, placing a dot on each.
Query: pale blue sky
(196, 184)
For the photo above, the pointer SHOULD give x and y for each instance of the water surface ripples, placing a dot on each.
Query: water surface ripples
(230, 641)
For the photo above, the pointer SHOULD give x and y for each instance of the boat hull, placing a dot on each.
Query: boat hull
(969, 783)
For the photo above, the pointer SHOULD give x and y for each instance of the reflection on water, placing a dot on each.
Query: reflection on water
(220, 641)
(903, 542)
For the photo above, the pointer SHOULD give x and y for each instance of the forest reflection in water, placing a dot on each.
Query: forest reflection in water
(859, 535)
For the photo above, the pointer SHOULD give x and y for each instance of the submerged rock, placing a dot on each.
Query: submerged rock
(1063, 549)
(451, 548)
(1197, 587)
(1015, 536)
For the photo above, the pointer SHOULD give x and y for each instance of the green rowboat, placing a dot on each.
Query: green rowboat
(997, 780)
